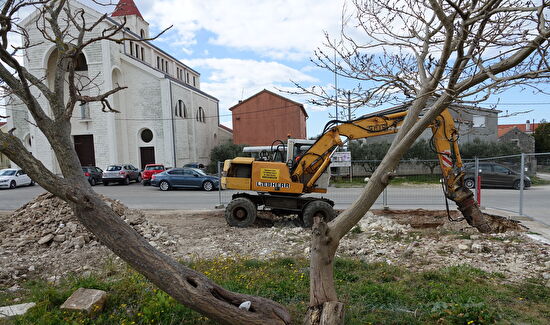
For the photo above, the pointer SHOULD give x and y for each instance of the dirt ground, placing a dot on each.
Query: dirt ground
(36, 242)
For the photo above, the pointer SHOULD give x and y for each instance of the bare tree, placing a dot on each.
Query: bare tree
(70, 30)
(430, 53)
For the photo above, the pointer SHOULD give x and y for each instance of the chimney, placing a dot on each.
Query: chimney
(528, 126)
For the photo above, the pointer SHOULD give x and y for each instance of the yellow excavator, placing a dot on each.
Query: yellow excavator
(279, 185)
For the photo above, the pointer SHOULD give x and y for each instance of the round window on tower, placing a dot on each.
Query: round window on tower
(147, 135)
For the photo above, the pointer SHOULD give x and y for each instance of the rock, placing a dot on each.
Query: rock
(476, 248)
(59, 238)
(89, 301)
(15, 310)
(546, 275)
(14, 288)
(463, 247)
(46, 239)
(547, 265)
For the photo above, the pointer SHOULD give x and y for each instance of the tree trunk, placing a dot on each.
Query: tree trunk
(324, 307)
(188, 287)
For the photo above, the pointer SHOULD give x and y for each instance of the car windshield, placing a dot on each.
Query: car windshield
(153, 168)
(113, 168)
(198, 171)
(7, 172)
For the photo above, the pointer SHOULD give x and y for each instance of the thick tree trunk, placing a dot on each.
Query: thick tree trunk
(191, 288)
(324, 307)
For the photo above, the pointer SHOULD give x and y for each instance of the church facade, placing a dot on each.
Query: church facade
(164, 116)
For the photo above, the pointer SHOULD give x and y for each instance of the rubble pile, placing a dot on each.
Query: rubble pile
(44, 237)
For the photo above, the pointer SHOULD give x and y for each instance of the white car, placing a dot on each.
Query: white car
(11, 178)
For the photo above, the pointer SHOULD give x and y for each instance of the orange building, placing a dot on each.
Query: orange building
(266, 117)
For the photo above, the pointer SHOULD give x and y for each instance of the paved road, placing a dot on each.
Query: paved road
(536, 199)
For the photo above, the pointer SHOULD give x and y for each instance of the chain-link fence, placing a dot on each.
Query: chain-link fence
(516, 183)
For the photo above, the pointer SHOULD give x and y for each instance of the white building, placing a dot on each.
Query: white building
(164, 116)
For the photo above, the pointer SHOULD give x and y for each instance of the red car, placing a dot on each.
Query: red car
(149, 170)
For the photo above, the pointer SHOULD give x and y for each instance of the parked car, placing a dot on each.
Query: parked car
(13, 177)
(194, 165)
(185, 178)
(494, 175)
(93, 174)
(148, 171)
(123, 174)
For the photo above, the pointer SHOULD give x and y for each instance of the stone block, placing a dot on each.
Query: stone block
(86, 300)
(14, 310)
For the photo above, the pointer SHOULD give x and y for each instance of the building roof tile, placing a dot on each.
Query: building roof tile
(126, 8)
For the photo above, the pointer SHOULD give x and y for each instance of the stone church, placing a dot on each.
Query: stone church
(164, 116)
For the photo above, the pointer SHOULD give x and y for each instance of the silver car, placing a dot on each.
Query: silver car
(120, 173)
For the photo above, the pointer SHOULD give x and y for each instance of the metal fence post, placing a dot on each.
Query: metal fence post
(476, 176)
(220, 185)
(385, 199)
(521, 184)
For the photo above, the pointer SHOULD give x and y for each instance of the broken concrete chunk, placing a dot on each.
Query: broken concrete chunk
(14, 310)
(86, 300)
(46, 239)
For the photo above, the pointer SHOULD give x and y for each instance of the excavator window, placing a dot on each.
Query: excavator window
(240, 170)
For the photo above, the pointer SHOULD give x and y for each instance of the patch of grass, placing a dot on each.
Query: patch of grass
(535, 180)
(372, 292)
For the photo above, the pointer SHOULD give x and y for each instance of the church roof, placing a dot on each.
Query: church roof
(126, 8)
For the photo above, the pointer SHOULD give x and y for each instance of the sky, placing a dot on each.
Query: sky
(241, 47)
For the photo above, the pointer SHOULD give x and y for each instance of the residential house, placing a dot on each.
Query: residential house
(266, 117)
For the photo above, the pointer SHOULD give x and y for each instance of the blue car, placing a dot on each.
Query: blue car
(185, 178)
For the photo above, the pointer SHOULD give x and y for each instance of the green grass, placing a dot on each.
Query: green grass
(372, 293)
(535, 180)
(399, 180)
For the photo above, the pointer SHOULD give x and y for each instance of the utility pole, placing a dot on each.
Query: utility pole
(349, 105)
(335, 84)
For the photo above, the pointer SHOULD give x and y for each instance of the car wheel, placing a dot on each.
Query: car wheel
(517, 184)
(138, 179)
(127, 181)
(240, 212)
(317, 208)
(144, 182)
(164, 186)
(31, 183)
(105, 183)
(92, 181)
(208, 186)
(469, 183)
(13, 184)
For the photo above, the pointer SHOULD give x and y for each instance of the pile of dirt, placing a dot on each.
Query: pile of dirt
(44, 237)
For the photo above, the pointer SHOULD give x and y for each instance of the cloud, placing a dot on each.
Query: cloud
(231, 80)
(276, 29)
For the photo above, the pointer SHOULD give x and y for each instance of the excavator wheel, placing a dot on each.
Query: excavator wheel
(320, 208)
(240, 212)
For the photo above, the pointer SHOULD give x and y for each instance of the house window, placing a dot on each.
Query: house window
(137, 51)
(142, 33)
(479, 121)
(146, 135)
(194, 81)
(131, 48)
(81, 64)
(200, 115)
(181, 110)
(84, 112)
(158, 62)
(187, 77)
(142, 54)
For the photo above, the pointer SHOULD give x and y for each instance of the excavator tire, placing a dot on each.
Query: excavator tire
(314, 208)
(240, 212)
